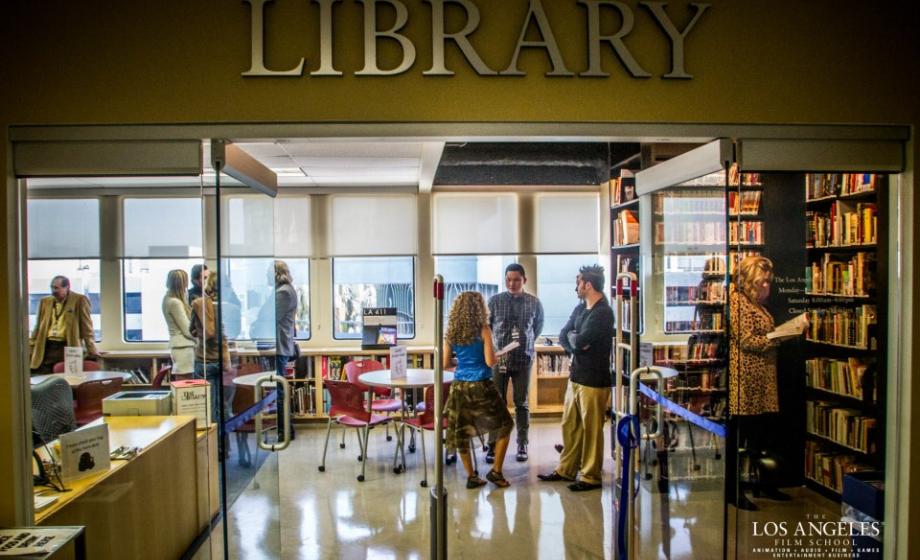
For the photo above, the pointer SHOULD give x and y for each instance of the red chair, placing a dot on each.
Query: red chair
(385, 404)
(88, 365)
(89, 395)
(347, 409)
(425, 421)
(161, 375)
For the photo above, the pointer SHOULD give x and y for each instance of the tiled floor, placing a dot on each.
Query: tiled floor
(303, 513)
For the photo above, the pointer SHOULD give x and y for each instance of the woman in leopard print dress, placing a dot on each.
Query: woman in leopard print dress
(752, 356)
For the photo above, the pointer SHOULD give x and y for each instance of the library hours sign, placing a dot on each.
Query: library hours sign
(534, 22)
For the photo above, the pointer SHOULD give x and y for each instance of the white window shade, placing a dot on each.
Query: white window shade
(259, 226)
(373, 225)
(567, 223)
(63, 228)
(162, 227)
(481, 224)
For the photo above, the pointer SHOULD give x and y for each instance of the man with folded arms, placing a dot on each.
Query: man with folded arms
(588, 338)
(63, 320)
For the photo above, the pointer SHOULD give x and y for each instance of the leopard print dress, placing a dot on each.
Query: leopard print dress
(752, 358)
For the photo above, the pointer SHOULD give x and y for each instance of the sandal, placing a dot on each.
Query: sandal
(497, 479)
(474, 482)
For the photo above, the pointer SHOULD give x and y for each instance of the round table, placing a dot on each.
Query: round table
(250, 379)
(75, 380)
(415, 379)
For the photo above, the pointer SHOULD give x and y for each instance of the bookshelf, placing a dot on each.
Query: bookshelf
(846, 298)
(624, 232)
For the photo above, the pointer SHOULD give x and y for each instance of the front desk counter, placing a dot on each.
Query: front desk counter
(152, 506)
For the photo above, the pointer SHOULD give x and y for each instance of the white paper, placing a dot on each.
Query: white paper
(84, 452)
(791, 328)
(34, 540)
(508, 348)
(646, 354)
(73, 360)
(194, 401)
(398, 362)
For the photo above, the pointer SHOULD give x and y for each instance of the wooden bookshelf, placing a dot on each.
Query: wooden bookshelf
(847, 291)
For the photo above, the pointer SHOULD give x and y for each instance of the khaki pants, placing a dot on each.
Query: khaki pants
(583, 432)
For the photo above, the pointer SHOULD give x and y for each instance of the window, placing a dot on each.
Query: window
(59, 247)
(474, 224)
(84, 279)
(160, 234)
(373, 282)
(144, 285)
(248, 286)
(556, 280)
(483, 274)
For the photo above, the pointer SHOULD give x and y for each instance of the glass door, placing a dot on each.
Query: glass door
(253, 354)
(679, 414)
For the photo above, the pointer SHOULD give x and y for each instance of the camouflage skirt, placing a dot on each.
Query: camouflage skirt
(474, 409)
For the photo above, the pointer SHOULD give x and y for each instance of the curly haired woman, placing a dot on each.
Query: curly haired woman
(474, 407)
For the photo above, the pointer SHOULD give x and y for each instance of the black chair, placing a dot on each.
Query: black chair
(52, 410)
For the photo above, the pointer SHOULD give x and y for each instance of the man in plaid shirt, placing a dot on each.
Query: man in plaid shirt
(514, 316)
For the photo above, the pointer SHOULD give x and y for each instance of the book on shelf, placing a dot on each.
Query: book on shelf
(746, 233)
(622, 188)
(846, 223)
(846, 426)
(735, 177)
(626, 228)
(708, 291)
(699, 348)
(825, 185)
(690, 233)
(827, 467)
(841, 276)
(843, 377)
(704, 321)
(842, 327)
(745, 203)
(554, 365)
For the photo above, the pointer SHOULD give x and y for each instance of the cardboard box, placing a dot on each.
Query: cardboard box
(138, 403)
(192, 397)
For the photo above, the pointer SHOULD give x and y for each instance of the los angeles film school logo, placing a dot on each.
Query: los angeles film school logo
(818, 536)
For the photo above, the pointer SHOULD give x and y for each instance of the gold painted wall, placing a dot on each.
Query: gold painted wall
(756, 61)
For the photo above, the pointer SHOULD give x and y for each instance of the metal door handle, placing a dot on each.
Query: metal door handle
(283, 414)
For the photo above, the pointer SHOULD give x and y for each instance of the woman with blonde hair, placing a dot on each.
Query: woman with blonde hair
(177, 312)
(752, 379)
(474, 407)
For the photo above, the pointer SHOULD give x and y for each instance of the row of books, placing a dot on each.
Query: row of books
(833, 275)
(622, 188)
(626, 228)
(690, 233)
(704, 322)
(844, 377)
(844, 224)
(705, 263)
(305, 399)
(843, 327)
(712, 291)
(827, 467)
(745, 203)
(553, 364)
(690, 381)
(747, 179)
(746, 233)
(846, 426)
(688, 202)
(823, 185)
(696, 349)
(333, 367)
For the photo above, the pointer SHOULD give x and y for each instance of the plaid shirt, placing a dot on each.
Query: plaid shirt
(506, 312)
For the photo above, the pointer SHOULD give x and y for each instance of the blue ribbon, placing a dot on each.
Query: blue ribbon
(671, 406)
(628, 441)
(231, 424)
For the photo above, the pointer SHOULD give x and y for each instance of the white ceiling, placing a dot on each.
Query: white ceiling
(303, 163)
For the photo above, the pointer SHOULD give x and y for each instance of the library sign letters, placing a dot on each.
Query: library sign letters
(535, 23)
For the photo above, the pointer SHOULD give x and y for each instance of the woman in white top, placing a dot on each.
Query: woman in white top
(177, 312)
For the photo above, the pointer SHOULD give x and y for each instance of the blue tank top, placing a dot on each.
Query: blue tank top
(471, 362)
